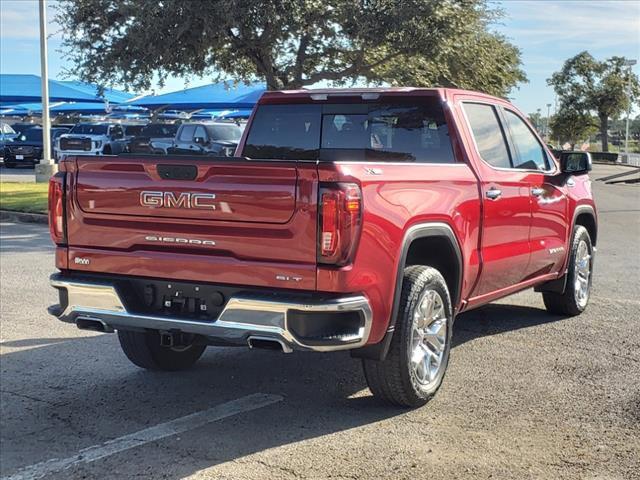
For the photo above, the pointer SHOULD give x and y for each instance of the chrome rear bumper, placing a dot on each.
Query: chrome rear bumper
(242, 317)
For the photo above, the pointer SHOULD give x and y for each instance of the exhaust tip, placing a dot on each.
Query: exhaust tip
(267, 343)
(93, 325)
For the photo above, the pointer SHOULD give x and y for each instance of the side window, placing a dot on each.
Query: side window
(530, 154)
(200, 132)
(186, 134)
(116, 132)
(488, 134)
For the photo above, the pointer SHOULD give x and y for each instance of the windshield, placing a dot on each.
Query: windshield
(6, 129)
(32, 135)
(160, 130)
(89, 129)
(225, 132)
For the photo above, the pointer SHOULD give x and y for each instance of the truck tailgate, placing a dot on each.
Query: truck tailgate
(220, 220)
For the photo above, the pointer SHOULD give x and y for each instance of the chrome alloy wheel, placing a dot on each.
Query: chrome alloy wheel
(428, 339)
(582, 274)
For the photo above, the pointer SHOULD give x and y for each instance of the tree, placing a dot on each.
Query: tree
(586, 85)
(289, 43)
(572, 126)
(536, 120)
(477, 60)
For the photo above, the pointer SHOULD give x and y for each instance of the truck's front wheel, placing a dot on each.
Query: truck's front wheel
(418, 355)
(144, 350)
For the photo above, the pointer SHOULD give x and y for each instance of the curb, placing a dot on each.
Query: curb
(7, 215)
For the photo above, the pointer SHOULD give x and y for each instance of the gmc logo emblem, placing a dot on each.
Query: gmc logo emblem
(180, 200)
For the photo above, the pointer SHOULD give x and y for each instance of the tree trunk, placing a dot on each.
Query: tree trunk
(604, 128)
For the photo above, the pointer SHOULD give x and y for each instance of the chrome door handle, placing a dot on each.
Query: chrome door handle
(537, 191)
(493, 193)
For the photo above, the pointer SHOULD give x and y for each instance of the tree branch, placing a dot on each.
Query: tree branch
(300, 58)
(357, 67)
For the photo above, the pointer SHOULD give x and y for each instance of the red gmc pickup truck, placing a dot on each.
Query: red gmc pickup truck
(361, 220)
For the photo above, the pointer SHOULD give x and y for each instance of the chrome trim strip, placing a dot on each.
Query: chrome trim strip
(243, 316)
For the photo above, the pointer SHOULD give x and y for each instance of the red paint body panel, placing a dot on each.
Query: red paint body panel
(392, 204)
(269, 224)
(256, 194)
(245, 252)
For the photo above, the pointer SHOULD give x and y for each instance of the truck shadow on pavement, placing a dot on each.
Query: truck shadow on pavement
(59, 397)
(497, 318)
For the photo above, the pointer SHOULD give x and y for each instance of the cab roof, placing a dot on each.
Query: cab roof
(364, 94)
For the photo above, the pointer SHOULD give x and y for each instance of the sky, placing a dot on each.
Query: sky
(547, 32)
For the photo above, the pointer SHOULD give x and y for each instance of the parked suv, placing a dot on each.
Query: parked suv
(7, 135)
(154, 138)
(91, 139)
(26, 148)
(362, 220)
(219, 138)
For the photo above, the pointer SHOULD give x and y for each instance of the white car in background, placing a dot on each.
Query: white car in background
(91, 139)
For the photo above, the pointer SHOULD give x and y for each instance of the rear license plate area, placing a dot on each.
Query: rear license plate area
(200, 302)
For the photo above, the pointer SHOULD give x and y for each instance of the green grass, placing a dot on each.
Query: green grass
(24, 197)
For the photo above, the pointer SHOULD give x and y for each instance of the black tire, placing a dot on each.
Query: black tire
(106, 150)
(393, 379)
(145, 351)
(568, 303)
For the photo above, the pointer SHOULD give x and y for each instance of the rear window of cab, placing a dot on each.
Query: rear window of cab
(415, 132)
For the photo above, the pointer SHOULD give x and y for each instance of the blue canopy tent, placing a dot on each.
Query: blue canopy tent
(240, 113)
(19, 89)
(214, 96)
(97, 108)
(109, 94)
(22, 109)
(83, 108)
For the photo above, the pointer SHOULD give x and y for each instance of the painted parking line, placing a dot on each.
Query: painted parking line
(151, 434)
(18, 237)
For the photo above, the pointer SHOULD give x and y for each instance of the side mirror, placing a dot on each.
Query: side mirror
(199, 140)
(575, 162)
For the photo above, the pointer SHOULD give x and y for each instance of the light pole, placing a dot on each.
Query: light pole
(555, 112)
(539, 121)
(46, 167)
(547, 126)
(628, 63)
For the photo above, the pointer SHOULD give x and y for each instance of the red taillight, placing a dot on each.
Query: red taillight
(57, 220)
(339, 226)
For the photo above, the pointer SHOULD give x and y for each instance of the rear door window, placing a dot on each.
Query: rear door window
(488, 134)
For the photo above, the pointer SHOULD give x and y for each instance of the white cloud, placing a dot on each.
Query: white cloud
(19, 19)
(586, 24)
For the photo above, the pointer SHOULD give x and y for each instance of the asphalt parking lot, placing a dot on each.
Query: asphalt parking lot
(17, 174)
(527, 395)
